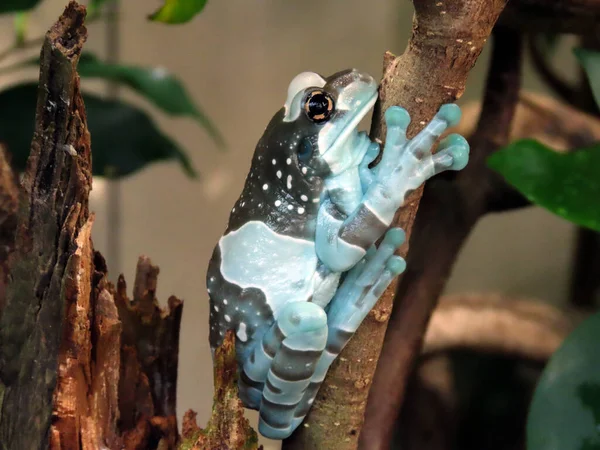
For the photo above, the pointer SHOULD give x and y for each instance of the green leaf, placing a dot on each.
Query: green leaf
(20, 22)
(590, 61)
(124, 138)
(178, 11)
(11, 6)
(565, 410)
(567, 184)
(156, 84)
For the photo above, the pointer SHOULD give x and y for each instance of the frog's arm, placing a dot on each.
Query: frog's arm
(343, 241)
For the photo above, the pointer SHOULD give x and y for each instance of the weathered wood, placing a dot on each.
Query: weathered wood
(52, 212)
(82, 367)
(227, 428)
(150, 339)
(9, 199)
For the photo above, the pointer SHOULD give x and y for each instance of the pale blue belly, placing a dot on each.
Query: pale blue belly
(280, 266)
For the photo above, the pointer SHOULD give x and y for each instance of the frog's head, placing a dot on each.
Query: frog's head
(317, 127)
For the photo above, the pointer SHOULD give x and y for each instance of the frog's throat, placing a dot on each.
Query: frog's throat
(332, 155)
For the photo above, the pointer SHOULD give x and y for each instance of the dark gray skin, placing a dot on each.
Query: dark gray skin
(297, 141)
(297, 269)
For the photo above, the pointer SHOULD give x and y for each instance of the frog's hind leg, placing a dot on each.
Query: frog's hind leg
(278, 371)
(357, 295)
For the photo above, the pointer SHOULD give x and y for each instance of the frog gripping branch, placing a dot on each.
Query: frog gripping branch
(297, 269)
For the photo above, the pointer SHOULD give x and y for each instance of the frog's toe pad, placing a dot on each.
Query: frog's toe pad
(457, 147)
(450, 113)
(396, 116)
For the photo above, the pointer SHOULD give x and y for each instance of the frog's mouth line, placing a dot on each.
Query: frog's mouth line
(352, 125)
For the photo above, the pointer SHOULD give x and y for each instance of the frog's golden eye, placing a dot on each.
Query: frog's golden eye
(318, 106)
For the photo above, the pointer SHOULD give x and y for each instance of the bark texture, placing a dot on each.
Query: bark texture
(9, 199)
(451, 206)
(49, 243)
(553, 123)
(227, 427)
(81, 366)
(446, 41)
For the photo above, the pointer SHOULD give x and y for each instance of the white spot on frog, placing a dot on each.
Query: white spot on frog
(241, 332)
(227, 318)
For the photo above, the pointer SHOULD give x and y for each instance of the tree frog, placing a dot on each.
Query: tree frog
(297, 269)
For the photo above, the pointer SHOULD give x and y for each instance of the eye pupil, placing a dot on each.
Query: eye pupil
(319, 106)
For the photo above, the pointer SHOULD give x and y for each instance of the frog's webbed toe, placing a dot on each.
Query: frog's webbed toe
(278, 372)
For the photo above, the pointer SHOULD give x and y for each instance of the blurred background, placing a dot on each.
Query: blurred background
(236, 59)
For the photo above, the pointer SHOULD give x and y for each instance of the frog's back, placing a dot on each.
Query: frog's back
(266, 256)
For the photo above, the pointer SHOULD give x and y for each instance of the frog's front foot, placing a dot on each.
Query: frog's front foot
(406, 164)
(278, 372)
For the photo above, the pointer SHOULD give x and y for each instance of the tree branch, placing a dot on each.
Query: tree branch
(561, 87)
(446, 41)
(556, 16)
(451, 206)
(493, 323)
(585, 274)
(561, 127)
(540, 117)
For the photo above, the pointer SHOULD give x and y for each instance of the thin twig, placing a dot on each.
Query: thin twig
(561, 87)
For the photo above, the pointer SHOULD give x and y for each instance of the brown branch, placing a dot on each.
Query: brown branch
(9, 198)
(549, 121)
(556, 16)
(227, 427)
(585, 287)
(561, 87)
(494, 323)
(585, 274)
(446, 41)
(561, 127)
(450, 208)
